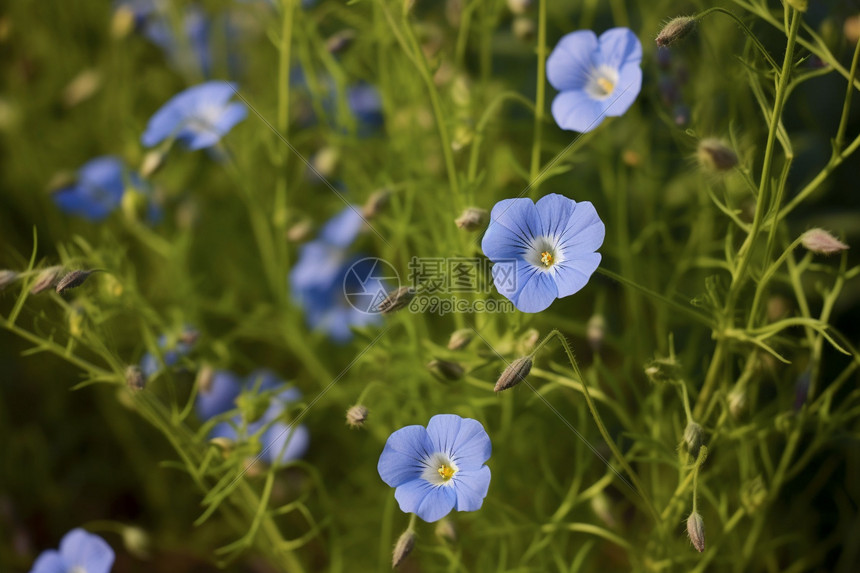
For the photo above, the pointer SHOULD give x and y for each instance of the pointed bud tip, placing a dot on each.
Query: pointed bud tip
(675, 30)
(515, 373)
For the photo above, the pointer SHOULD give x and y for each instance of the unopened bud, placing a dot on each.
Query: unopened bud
(122, 23)
(631, 158)
(81, 88)
(300, 231)
(460, 339)
(136, 541)
(396, 300)
(134, 378)
(472, 219)
(450, 371)
(715, 155)
(694, 436)
(851, 28)
(375, 203)
(753, 494)
(224, 444)
(324, 162)
(523, 28)
(254, 467)
(737, 399)
(519, 6)
(73, 279)
(46, 279)
(696, 531)
(356, 416)
(595, 331)
(821, 242)
(675, 30)
(339, 41)
(515, 373)
(662, 370)
(152, 162)
(403, 548)
(7, 277)
(600, 506)
(446, 532)
(205, 377)
(777, 308)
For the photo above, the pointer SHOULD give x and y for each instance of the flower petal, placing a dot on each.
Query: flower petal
(220, 395)
(517, 215)
(500, 243)
(471, 487)
(342, 229)
(232, 114)
(90, 552)
(570, 63)
(573, 274)
(283, 443)
(403, 457)
(626, 91)
(584, 232)
(427, 501)
(554, 211)
(577, 111)
(463, 439)
(619, 46)
(537, 289)
(49, 562)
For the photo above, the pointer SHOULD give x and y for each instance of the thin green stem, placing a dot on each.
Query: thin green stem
(540, 96)
(846, 107)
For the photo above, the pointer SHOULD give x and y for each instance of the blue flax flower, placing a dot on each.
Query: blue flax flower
(542, 251)
(198, 117)
(79, 552)
(219, 394)
(173, 351)
(280, 442)
(437, 469)
(97, 191)
(596, 77)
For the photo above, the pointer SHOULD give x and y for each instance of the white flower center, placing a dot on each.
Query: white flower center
(439, 469)
(206, 117)
(78, 569)
(544, 253)
(601, 82)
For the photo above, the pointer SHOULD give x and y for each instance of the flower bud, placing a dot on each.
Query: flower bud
(851, 28)
(515, 373)
(595, 330)
(403, 548)
(254, 467)
(449, 371)
(224, 444)
(821, 242)
(519, 6)
(81, 88)
(675, 30)
(396, 300)
(696, 531)
(300, 231)
(136, 541)
(46, 279)
(134, 378)
(122, 23)
(472, 219)
(737, 399)
(205, 376)
(460, 339)
(523, 28)
(152, 162)
(356, 416)
(662, 370)
(714, 155)
(375, 203)
(600, 507)
(446, 532)
(324, 162)
(339, 41)
(694, 436)
(753, 494)
(7, 277)
(73, 279)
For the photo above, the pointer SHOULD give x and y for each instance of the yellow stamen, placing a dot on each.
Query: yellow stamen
(607, 86)
(546, 258)
(446, 471)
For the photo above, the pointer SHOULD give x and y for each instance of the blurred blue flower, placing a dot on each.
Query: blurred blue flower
(172, 351)
(97, 191)
(281, 443)
(437, 469)
(79, 552)
(219, 394)
(596, 77)
(198, 116)
(542, 252)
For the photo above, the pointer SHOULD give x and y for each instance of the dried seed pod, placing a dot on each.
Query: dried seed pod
(356, 416)
(46, 279)
(74, 279)
(460, 339)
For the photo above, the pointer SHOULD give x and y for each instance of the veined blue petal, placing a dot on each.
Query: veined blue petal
(569, 65)
(403, 455)
(619, 46)
(554, 211)
(584, 232)
(463, 439)
(429, 502)
(471, 486)
(537, 292)
(518, 215)
(573, 274)
(628, 88)
(577, 111)
(87, 551)
(499, 242)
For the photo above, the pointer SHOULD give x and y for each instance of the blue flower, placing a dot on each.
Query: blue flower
(281, 443)
(97, 192)
(198, 116)
(438, 469)
(219, 394)
(542, 251)
(173, 351)
(79, 551)
(596, 77)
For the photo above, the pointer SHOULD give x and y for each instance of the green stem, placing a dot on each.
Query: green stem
(540, 96)
(846, 108)
(759, 46)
